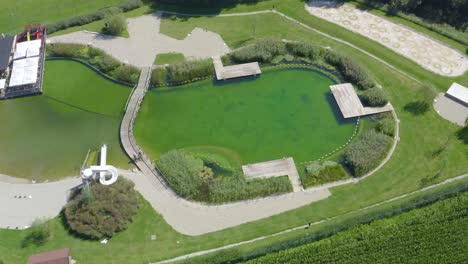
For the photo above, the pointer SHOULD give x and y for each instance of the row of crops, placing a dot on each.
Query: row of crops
(434, 234)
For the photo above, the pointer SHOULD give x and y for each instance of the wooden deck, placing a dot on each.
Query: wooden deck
(349, 103)
(234, 71)
(275, 168)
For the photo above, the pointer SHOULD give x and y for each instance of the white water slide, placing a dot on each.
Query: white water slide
(103, 170)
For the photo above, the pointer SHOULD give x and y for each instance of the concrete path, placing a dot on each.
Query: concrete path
(145, 42)
(450, 109)
(430, 54)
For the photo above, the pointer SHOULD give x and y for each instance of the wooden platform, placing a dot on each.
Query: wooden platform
(275, 168)
(349, 103)
(234, 71)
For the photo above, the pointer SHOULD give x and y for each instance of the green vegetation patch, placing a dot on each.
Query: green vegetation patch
(211, 178)
(169, 58)
(433, 234)
(48, 136)
(100, 210)
(286, 112)
(322, 172)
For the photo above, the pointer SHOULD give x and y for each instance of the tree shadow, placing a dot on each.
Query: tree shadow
(462, 135)
(210, 7)
(417, 107)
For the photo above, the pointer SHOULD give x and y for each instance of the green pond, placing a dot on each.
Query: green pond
(47, 136)
(282, 113)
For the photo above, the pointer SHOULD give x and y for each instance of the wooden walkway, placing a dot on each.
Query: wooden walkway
(234, 71)
(350, 104)
(136, 154)
(275, 168)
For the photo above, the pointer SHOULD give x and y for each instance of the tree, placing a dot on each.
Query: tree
(115, 25)
(39, 234)
(111, 209)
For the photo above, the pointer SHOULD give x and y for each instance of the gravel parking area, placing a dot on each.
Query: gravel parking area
(429, 53)
(145, 42)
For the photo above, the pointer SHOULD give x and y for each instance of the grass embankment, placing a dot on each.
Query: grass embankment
(48, 136)
(428, 152)
(169, 58)
(16, 14)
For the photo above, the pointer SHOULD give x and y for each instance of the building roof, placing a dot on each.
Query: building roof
(59, 256)
(458, 91)
(6, 45)
(350, 104)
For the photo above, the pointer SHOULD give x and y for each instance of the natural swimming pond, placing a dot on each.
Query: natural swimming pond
(48, 136)
(287, 112)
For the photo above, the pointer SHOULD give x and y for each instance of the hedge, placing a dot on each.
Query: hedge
(158, 76)
(373, 97)
(366, 153)
(97, 58)
(304, 49)
(351, 71)
(190, 70)
(263, 50)
(93, 16)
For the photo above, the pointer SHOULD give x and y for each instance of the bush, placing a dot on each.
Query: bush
(65, 50)
(373, 97)
(263, 51)
(190, 70)
(127, 73)
(304, 49)
(322, 172)
(366, 153)
(159, 76)
(350, 70)
(386, 126)
(115, 25)
(182, 172)
(108, 210)
(38, 235)
(106, 63)
(93, 16)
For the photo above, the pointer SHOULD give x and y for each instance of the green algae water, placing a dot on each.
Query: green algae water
(282, 113)
(47, 136)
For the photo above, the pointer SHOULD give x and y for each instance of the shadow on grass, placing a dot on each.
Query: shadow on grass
(197, 7)
(462, 135)
(417, 107)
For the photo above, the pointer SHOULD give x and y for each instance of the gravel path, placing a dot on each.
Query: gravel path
(145, 42)
(430, 54)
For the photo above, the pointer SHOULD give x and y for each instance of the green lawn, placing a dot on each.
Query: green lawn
(280, 114)
(169, 58)
(17, 13)
(416, 162)
(47, 136)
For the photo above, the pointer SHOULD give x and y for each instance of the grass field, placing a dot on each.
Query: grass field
(169, 58)
(280, 114)
(16, 14)
(47, 137)
(428, 152)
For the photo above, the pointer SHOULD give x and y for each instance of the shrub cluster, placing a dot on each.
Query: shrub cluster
(322, 172)
(102, 210)
(93, 16)
(386, 126)
(263, 51)
(115, 25)
(38, 234)
(351, 71)
(373, 97)
(211, 181)
(97, 58)
(304, 49)
(366, 153)
(158, 76)
(190, 70)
